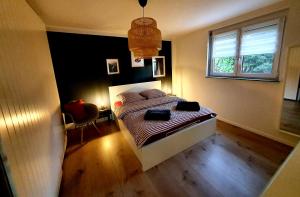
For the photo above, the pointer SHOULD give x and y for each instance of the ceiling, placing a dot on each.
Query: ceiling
(113, 17)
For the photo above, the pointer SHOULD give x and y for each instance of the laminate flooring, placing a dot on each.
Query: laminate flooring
(233, 162)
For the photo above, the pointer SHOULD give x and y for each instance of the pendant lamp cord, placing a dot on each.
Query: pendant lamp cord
(143, 22)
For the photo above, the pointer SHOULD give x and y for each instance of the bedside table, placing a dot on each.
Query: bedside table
(103, 113)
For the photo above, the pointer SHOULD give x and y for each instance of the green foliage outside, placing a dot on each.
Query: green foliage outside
(224, 64)
(261, 63)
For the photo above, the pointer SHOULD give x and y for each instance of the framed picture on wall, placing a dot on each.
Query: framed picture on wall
(158, 66)
(112, 66)
(136, 62)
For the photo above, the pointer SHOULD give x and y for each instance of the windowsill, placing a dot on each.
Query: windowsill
(243, 78)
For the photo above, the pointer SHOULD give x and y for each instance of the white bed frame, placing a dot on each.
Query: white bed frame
(158, 151)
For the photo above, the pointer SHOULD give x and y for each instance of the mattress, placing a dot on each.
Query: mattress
(148, 131)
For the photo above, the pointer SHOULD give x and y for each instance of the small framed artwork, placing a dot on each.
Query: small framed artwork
(112, 66)
(136, 62)
(158, 66)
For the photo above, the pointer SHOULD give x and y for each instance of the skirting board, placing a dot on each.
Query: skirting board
(256, 131)
(161, 150)
(290, 133)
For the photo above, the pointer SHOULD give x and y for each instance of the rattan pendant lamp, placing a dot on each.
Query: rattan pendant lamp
(144, 39)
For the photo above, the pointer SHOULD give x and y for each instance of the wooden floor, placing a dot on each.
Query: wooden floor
(231, 163)
(290, 117)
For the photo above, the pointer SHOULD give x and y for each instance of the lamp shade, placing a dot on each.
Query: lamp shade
(144, 39)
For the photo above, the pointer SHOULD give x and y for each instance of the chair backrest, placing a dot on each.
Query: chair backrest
(81, 112)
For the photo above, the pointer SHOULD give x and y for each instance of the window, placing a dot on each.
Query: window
(224, 53)
(246, 51)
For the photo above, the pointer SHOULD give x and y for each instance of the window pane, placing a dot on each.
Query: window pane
(261, 63)
(258, 49)
(224, 52)
(224, 64)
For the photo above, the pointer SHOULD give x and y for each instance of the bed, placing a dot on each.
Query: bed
(156, 151)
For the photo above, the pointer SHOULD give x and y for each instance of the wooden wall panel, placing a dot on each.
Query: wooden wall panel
(31, 135)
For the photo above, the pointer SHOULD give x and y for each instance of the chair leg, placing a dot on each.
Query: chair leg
(81, 139)
(96, 127)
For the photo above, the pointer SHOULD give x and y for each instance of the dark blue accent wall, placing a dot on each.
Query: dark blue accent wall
(80, 65)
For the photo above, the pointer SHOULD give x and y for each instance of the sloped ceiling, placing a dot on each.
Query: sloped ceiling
(113, 17)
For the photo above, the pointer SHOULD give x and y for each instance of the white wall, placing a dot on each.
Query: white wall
(31, 136)
(253, 105)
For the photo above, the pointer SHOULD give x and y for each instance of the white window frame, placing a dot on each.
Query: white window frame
(212, 63)
(274, 76)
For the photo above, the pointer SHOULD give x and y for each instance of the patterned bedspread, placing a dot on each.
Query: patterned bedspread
(142, 130)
